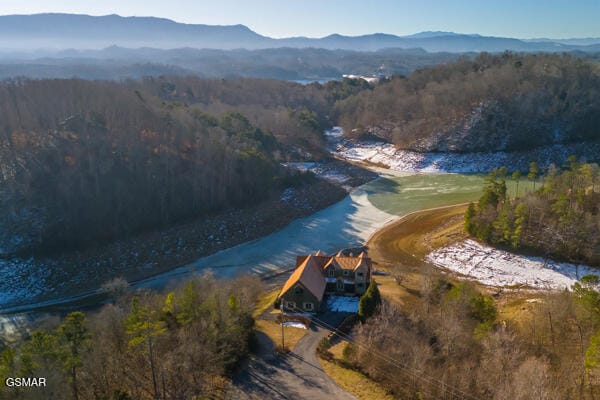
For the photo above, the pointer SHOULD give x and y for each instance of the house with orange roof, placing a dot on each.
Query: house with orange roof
(317, 275)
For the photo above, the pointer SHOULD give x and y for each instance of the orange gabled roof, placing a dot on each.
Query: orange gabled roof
(349, 263)
(310, 275)
(346, 262)
(363, 261)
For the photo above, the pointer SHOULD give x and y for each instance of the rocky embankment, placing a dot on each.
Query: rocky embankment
(387, 155)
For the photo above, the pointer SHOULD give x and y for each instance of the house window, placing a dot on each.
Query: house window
(291, 305)
(359, 285)
(346, 272)
(360, 274)
(340, 285)
(331, 272)
(298, 290)
(308, 306)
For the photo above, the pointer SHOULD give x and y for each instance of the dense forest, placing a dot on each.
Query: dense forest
(560, 218)
(490, 102)
(181, 345)
(453, 343)
(90, 161)
(85, 161)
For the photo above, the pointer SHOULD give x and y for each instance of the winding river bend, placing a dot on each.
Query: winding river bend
(348, 223)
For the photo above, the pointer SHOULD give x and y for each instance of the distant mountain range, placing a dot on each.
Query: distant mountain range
(54, 32)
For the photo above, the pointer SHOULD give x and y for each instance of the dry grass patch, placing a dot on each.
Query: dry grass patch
(398, 293)
(355, 383)
(516, 308)
(452, 230)
(337, 350)
(269, 325)
(273, 330)
(351, 380)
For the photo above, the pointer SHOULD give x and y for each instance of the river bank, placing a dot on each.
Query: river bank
(386, 155)
(347, 223)
(35, 280)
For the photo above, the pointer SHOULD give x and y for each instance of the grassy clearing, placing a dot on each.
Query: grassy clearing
(350, 380)
(273, 330)
(266, 321)
(395, 292)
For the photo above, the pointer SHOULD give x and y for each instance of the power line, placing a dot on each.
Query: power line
(411, 371)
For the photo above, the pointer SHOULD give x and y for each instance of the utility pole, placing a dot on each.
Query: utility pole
(282, 336)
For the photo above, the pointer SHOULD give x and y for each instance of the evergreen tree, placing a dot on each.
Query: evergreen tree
(75, 339)
(469, 215)
(369, 301)
(520, 215)
(143, 325)
(516, 176)
(533, 172)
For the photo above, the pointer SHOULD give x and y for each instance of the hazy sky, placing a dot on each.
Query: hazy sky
(315, 18)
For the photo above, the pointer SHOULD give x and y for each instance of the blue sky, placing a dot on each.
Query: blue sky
(315, 18)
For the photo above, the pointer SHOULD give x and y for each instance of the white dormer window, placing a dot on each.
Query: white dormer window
(308, 306)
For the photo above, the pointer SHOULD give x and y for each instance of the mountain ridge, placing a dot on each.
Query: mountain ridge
(62, 31)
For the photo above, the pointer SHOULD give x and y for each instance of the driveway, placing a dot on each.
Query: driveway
(297, 375)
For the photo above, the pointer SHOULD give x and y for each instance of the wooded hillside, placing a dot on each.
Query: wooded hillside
(83, 161)
(504, 102)
(561, 218)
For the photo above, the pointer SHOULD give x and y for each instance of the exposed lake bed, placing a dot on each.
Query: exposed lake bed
(349, 222)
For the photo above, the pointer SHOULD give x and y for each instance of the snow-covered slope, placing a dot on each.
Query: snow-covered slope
(500, 268)
(387, 155)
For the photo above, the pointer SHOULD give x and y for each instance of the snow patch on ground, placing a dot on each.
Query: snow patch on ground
(387, 155)
(321, 170)
(495, 267)
(22, 279)
(342, 304)
(293, 324)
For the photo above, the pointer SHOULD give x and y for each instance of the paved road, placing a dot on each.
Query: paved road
(295, 376)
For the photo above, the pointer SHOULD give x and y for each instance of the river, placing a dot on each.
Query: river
(348, 223)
